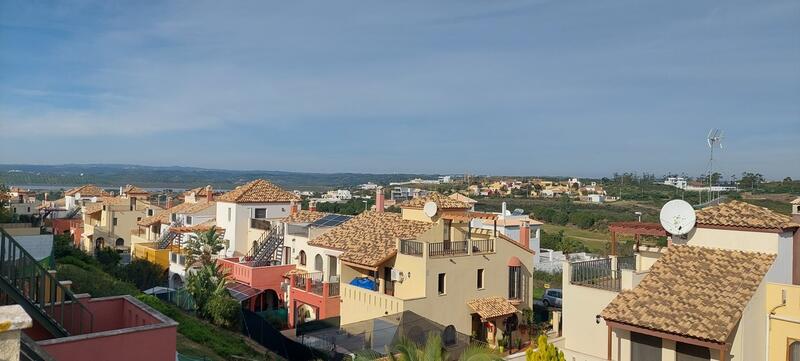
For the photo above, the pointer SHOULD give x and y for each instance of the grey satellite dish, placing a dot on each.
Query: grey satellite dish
(430, 209)
(677, 217)
(518, 212)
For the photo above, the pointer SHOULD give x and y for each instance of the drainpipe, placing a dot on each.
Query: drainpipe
(769, 316)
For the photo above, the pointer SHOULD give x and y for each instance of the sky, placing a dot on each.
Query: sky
(583, 88)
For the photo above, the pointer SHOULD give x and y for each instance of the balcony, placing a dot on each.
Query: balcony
(266, 277)
(602, 273)
(446, 249)
(313, 283)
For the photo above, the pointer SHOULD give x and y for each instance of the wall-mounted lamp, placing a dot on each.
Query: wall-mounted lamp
(597, 319)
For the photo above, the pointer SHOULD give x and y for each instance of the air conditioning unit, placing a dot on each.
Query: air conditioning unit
(397, 275)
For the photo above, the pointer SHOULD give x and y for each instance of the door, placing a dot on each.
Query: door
(387, 281)
(333, 276)
(687, 352)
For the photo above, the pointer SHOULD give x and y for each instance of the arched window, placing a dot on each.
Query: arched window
(302, 258)
(318, 263)
(120, 242)
(794, 351)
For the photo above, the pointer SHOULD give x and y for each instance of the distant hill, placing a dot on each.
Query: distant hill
(113, 175)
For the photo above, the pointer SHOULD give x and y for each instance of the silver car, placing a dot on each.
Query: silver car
(552, 297)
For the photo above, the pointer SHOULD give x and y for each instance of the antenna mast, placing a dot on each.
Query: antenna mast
(714, 139)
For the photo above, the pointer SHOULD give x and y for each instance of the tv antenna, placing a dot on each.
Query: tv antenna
(714, 140)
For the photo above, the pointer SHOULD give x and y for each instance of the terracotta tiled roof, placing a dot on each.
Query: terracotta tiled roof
(89, 190)
(491, 307)
(369, 238)
(183, 208)
(442, 201)
(304, 216)
(98, 206)
(202, 227)
(462, 198)
(796, 201)
(258, 191)
(132, 189)
(741, 214)
(693, 291)
(198, 192)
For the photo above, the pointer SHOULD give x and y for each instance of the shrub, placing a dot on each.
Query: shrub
(560, 218)
(94, 282)
(224, 311)
(143, 273)
(108, 258)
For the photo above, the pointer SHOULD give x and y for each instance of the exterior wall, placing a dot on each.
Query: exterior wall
(359, 304)
(784, 325)
(269, 277)
(583, 335)
(237, 227)
(780, 244)
(748, 342)
(150, 252)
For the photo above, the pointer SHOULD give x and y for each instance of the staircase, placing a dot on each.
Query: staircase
(73, 212)
(268, 249)
(25, 282)
(169, 237)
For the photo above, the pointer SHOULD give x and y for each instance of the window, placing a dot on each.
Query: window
(687, 352)
(442, 280)
(29, 209)
(120, 242)
(794, 351)
(645, 347)
(188, 219)
(149, 212)
(260, 213)
(514, 283)
(318, 263)
(229, 214)
(138, 219)
(480, 278)
(302, 258)
(114, 221)
(447, 225)
(173, 217)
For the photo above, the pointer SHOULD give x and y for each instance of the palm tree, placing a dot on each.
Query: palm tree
(203, 284)
(202, 246)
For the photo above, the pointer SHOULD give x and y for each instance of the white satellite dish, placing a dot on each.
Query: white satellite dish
(430, 209)
(677, 217)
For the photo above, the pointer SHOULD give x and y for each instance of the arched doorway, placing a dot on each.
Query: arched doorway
(120, 242)
(177, 281)
(318, 263)
(99, 243)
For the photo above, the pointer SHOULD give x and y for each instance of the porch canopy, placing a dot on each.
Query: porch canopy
(241, 292)
(695, 295)
(492, 307)
(636, 229)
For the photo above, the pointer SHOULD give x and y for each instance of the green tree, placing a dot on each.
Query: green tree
(143, 273)
(108, 259)
(202, 246)
(204, 284)
(751, 180)
(544, 351)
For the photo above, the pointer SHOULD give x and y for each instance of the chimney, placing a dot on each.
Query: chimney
(121, 190)
(312, 205)
(525, 234)
(209, 193)
(293, 209)
(379, 199)
(169, 202)
(503, 213)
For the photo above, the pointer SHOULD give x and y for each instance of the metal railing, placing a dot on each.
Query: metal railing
(483, 245)
(333, 289)
(260, 224)
(412, 248)
(596, 273)
(30, 285)
(440, 249)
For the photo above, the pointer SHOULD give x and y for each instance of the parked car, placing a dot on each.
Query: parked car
(552, 297)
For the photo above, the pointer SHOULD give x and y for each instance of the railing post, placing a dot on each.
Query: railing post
(469, 246)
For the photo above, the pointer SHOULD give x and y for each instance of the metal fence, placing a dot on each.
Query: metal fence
(412, 248)
(483, 245)
(452, 248)
(595, 273)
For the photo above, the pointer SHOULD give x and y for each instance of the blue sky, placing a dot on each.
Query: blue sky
(582, 88)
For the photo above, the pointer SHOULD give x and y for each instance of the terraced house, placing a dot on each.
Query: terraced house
(722, 292)
(429, 260)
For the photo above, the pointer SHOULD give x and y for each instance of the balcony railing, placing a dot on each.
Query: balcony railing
(411, 248)
(260, 224)
(596, 273)
(452, 248)
(483, 245)
(313, 282)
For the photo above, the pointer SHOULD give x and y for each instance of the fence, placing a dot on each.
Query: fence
(412, 248)
(262, 332)
(482, 245)
(596, 273)
(439, 249)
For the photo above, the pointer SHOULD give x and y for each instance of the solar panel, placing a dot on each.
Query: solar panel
(331, 220)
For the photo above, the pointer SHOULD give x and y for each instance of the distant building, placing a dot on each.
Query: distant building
(406, 193)
(368, 186)
(678, 182)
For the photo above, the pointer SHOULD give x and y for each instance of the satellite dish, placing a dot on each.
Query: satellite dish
(430, 209)
(677, 217)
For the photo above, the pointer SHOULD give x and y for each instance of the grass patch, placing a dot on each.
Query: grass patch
(187, 347)
(222, 342)
(93, 281)
(575, 232)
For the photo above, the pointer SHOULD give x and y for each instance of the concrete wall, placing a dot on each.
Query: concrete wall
(581, 331)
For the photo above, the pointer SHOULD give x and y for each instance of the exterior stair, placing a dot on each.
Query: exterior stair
(169, 237)
(269, 248)
(24, 281)
(73, 212)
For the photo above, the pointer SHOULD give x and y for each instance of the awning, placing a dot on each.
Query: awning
(240, 291)
(492, 307)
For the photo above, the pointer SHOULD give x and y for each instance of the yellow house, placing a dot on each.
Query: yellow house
(108, 222)
(429, 260)
(783, 310)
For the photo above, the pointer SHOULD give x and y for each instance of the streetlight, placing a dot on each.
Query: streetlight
(638, 214)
